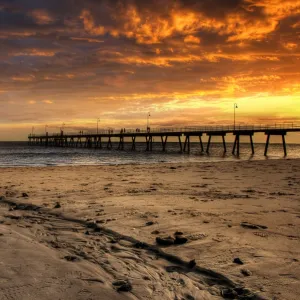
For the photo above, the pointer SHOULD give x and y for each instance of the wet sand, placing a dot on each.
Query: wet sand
(91, 232)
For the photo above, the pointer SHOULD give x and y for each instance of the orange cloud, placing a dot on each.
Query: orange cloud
(168, 61)
(42, 17)
(89, 40)
(153, 28)
(145, 29)
(243, 28)
(89, 24)
(160, 61)
(48, 101)
(296, 25)
(243, 84)
(192, 39)
(68, 76)
(23, 78)
(35, 52)
(240, 28)
(249, 78)
(290, 46)
(18, 34)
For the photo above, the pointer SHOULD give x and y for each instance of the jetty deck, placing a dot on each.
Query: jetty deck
(103, 138)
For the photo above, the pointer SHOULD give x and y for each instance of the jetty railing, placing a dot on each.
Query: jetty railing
(204, 129)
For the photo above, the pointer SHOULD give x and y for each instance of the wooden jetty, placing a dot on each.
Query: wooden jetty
(103, 139)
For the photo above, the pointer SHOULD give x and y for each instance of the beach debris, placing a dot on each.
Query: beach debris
(57, 205)
(166, 241)
(178, 269)
(93, 280)
(26, 207)
(87, 233)
(12, 217)
(238, 293)
(253, 226)
(180, 281)
(192, 263)
(189, 297)
(173, 168)
(251, 191)
(246, 272)
(179, 240)
(25, 195)
(155, 232)
(150, 223)
(122, 285)
(100, 221)
(238, 261)
(178, 233)
(71, 258)
(2, 198)
(229, 294)
(140, 245)
(92, 225)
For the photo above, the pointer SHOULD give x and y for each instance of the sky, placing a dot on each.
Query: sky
(186, 62)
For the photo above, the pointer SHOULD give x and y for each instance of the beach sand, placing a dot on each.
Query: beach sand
(89, 232)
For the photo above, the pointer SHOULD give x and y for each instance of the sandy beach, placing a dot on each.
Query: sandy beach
(162, 231)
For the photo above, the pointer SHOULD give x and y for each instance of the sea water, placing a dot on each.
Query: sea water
(16, 154)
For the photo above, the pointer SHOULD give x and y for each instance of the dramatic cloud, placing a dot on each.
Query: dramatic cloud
(42, 17)
(185, 60)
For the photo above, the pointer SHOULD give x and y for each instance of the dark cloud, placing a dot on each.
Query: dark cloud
(148, 52)
(214, 8)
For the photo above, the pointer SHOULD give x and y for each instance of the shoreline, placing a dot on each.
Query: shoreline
(214, 161)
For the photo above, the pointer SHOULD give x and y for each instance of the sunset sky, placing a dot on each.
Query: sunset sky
(186, 62)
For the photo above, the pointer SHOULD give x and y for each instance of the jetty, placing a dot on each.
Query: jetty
(103, 138)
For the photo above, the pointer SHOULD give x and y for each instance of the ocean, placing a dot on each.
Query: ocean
(17, 154)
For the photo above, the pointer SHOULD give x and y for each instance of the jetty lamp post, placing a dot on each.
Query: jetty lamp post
(98, 120)
(32, 130)
(46, 127)
(235, 106)
(148, 123)
(62, 128)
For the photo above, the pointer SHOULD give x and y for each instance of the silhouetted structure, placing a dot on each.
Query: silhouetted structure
(91, 140)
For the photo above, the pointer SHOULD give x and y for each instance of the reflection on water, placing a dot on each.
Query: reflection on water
(20, 154)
